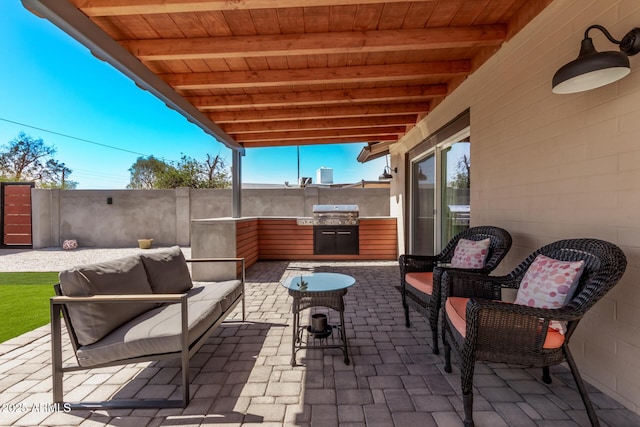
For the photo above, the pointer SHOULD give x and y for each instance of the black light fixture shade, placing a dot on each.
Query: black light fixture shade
(593, 69)
(386, 173)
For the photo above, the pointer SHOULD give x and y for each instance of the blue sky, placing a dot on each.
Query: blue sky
(53, 88)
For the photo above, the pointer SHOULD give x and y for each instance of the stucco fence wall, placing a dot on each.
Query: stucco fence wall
(165, 215)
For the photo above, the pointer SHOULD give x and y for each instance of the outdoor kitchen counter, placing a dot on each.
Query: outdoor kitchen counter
(280, 238)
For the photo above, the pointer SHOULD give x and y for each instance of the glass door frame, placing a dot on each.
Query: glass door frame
(436, 151)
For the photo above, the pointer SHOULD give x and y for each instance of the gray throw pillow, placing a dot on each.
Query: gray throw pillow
(93, 321)
(167, 271)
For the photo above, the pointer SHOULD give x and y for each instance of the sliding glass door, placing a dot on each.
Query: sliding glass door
(440, 184)
(455, 184)
(424, 203)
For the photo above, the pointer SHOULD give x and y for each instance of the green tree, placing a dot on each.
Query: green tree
(188, 172)
(146, 172)
(462, 178)
(29, 159)
(217, 174)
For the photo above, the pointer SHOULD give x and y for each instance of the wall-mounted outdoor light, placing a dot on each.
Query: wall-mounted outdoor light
(386, 173)
(593, 69)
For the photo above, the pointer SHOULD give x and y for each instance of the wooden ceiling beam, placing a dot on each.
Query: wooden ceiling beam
(316, 43)
(321, 124)
(245, 116)
(319, 97)
(320, 134)
(143, 7)
(355, 74)
(313, 141)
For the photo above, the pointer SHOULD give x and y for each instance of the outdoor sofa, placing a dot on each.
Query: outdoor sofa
(139, 308)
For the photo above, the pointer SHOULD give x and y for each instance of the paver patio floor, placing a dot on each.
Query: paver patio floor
(243, 375)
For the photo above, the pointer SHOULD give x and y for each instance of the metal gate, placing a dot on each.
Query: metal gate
(16, 214)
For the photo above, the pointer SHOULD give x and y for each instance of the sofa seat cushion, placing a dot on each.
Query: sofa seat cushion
(456, 309)
(421, 281)
(167, 271)
(158, 331)
(124, 276)
(226, 292)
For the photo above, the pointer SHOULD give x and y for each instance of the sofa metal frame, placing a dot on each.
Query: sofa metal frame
(59, 305)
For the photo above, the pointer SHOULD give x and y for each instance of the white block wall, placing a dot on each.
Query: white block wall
(548, 167)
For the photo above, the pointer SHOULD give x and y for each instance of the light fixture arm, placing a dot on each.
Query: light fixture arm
(630, 43)
(604, 31)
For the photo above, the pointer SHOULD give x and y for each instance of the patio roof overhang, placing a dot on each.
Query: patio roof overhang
(263, 73)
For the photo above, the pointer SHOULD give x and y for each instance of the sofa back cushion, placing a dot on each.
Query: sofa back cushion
(92, 321)
(167, 271)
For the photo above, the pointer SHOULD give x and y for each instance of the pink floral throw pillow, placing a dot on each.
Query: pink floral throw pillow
(549, 283)
(470, 253)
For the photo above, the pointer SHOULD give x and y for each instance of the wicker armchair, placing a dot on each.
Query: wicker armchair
(501, 332)
(428, 305)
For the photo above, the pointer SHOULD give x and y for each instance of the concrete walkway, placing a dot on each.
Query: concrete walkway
(243, 376)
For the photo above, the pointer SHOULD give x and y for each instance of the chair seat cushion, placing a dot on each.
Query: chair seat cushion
(158, 331)
(470, 253)
(422, 281)
(456, 310)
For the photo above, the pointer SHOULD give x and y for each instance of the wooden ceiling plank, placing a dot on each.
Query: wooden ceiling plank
(139, 7)
(265, 21)
(390, 72)
(319, 133)
(240, 22)
(469, 12)
(113, 27)
(368, 17)
(393, 16)
(419, 14)
(316, 19)
(165, 26)
(138, 26)
(277, 63)
(215, 23)
(341, 18)
(310, 98)
(240, 116)
(244, 64)
(291, 20)
(308, 124)
(444, 13)
(316, 43)
(311, 141)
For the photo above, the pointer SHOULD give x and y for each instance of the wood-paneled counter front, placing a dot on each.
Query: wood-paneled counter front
(285, 239)
(281, 238)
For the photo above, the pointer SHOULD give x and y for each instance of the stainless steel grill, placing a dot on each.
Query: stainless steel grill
(335, 214)
(335, 230)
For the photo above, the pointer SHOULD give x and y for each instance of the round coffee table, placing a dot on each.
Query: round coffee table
(318, 290)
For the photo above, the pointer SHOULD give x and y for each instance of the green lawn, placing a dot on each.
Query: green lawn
(24, 302)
